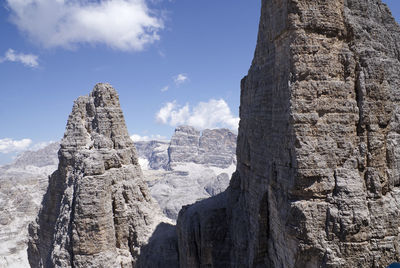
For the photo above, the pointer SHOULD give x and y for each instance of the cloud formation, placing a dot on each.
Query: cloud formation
(180, 79)
(29, 60)
(126, 25)
(165, 89)
(211, 114)
(136, 137)
(40, 145)
(8, 145)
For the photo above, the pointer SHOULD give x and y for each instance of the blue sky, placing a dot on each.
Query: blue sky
(171, 61)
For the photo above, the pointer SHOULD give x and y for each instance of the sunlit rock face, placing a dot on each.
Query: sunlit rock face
(317, 181)
(211, 147)
(97, 211)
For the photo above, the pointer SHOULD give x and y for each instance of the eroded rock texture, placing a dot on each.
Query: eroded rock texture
(317, 181)
(212, 147)
(97, 211)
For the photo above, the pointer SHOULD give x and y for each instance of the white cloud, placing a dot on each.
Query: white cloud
(165, 89)
(211, 114)
(8, 145)
(136, 137)
(180, 79)
(40, 145)
(126, 25)
(29, 60)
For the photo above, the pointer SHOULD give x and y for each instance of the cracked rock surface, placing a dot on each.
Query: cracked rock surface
(317, 181)
(97, 211)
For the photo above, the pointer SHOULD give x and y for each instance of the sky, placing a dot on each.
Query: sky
(172, 62)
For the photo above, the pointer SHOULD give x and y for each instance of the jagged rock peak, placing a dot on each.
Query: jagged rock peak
(97, 120)
(97, 211)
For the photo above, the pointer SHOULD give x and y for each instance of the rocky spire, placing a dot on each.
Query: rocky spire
(97, 211)
(317, 181)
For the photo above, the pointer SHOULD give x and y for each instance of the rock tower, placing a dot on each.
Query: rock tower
(318, 175)
(97, 211)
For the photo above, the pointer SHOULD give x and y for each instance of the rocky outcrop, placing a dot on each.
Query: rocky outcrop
(97, 211)
(317, 181)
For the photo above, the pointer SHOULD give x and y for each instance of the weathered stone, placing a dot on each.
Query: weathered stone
(199, 166)
(317, 181)
(24, 182)
(97, 211)
(155, 154)
(212, 147)
(206, 217)
(22, 185)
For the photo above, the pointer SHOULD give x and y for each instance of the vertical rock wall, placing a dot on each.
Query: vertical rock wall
(317, 181)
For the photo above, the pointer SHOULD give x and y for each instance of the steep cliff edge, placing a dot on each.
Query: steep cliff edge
(317, 181)
(97, 211)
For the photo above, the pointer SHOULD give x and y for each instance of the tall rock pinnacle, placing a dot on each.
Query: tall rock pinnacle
(97, 211)
(318, 180)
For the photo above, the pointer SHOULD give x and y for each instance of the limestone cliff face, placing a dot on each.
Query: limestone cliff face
(317, 181)
(97, 211)
(212, 147)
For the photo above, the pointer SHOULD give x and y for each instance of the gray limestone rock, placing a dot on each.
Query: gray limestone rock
(22, 185)
(24, 182)
(212, 147)
(184, 145)
(218, 185)
(199, 166)
(97, 211)
(155, 152)
(317, 181)
(206, 217)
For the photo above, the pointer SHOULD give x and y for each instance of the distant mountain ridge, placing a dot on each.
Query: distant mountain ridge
(22, 185)
(193, 166)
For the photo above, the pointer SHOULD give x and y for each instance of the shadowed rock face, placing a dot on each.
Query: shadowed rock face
(317, 181)
(97, 211)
